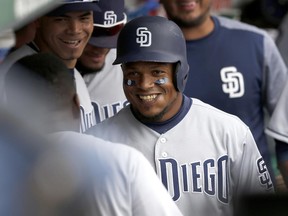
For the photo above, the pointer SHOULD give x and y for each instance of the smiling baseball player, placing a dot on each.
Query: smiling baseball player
(205, 157)
(65, 32)
(104, 80)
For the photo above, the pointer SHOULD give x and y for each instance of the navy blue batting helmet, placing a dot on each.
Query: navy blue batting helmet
(154, 39)
(66, 6)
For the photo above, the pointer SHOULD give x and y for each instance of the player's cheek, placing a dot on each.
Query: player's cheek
(128, 91)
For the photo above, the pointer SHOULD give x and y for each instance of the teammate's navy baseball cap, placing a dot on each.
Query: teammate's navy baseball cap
(66, 6)
(107, 23)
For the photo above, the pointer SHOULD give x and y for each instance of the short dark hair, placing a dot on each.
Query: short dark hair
(41, 79)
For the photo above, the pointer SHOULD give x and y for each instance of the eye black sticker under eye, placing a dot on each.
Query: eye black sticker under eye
(130, 82)
(161, 81)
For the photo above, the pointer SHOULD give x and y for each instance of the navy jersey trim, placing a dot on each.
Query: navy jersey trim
(163, 127)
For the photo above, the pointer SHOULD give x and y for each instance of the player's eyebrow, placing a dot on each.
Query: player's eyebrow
(158, 64)
(81, 15)
(86, 14)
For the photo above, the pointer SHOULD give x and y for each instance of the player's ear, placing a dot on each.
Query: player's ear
(76, 106)
(37, 22)
(34, 24)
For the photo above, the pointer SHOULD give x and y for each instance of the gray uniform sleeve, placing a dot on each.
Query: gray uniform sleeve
(251, 174)
(275, 74)
(278, 124)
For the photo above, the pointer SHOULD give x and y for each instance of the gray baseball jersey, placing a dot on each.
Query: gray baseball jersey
(278, 124)
(206, 161)
(87, 111)
(107, 179)
(105, 89)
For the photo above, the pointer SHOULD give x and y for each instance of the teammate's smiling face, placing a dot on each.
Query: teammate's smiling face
(151, 101)
(93, 58)
(66, 35)
(187, 12)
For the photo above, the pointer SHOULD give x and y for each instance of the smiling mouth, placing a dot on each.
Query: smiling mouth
(147, 98)
(71, 43)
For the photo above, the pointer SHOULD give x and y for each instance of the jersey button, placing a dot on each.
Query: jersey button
(164, 154)
(163, 140)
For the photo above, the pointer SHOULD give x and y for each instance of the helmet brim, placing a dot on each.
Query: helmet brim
(105, 41)
(71, 7)
(147, 57)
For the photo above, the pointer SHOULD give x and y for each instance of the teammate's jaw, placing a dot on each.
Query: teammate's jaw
(187, 12)
(93, 58)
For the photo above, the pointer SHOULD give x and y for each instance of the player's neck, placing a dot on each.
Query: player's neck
(62, 121)
(70, 63)
(197, 32)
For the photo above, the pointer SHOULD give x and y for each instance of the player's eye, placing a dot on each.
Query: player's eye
(60, 19)
(132, 74)
(158, 73)
(86, 18)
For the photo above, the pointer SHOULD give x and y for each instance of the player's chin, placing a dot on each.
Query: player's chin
(149, 115)
(76, 55)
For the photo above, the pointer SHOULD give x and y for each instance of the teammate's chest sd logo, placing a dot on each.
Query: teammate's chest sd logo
(232, 82)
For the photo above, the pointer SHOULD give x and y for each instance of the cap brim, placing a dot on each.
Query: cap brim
(104, 41)
(153, 56)
(66, 8)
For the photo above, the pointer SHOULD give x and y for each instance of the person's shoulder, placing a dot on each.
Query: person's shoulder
(123, 117)
(234, 24)
(216, 114)
(14, 56)
(23, 50)
(197, 103)
(95, 147)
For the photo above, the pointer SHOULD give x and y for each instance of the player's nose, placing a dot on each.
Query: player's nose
(74, 26)
(146, 81)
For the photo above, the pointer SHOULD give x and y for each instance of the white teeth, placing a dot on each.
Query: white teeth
(71, 42)
(148, 97)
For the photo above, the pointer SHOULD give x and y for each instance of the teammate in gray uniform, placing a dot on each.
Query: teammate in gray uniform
(65, 32)
(79, 174)
(278, 129)
(278, 125)
(205, 157)
(104, 80)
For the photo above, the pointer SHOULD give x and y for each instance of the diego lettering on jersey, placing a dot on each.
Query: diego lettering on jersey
(87, 119)
(209, 177)
(107, 111)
